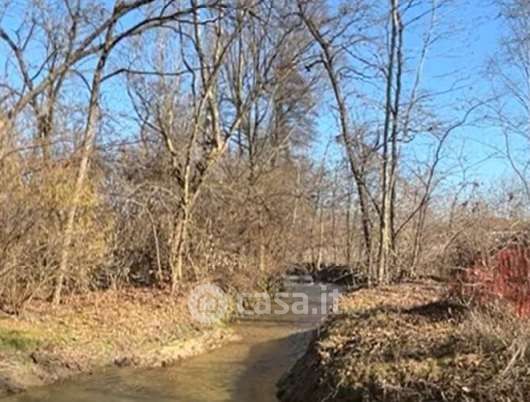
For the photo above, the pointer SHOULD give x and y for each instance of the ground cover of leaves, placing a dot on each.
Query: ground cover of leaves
(408, 342)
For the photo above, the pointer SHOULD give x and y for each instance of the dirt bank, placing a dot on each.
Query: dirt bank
(408, 343)
(125, 328)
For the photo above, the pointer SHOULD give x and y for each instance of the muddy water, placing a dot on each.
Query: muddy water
(244, 371)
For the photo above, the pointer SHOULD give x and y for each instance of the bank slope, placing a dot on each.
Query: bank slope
(408, 343)
(132, 327)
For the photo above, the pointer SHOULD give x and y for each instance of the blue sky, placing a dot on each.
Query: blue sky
(475, 32)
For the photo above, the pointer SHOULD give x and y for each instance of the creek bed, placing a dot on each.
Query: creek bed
(245, 370)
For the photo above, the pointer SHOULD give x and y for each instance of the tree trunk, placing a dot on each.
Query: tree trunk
(320, 239)
(418, 239)
(86, 151)
(366, 223)
(91, 130)
(390, 146)
(178, 248)
(386, 239)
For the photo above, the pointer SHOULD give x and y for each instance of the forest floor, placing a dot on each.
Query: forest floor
(410, 342)
(132, 327)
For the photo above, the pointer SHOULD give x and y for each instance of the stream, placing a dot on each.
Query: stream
(242, 371)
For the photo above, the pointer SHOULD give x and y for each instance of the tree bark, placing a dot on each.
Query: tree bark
(178, 248)
(390, 151)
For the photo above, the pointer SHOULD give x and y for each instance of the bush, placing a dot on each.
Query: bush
(33, 208)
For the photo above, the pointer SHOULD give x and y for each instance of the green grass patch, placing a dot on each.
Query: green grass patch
(11, 339)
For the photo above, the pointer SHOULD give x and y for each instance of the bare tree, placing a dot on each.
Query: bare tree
(213, 58)
(509, 73)
(350, 59)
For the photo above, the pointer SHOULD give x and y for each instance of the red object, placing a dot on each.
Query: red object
(504, 276)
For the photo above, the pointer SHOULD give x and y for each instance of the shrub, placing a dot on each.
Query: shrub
(33, 207)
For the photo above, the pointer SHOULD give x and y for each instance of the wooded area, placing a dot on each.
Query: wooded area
(161, 142)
